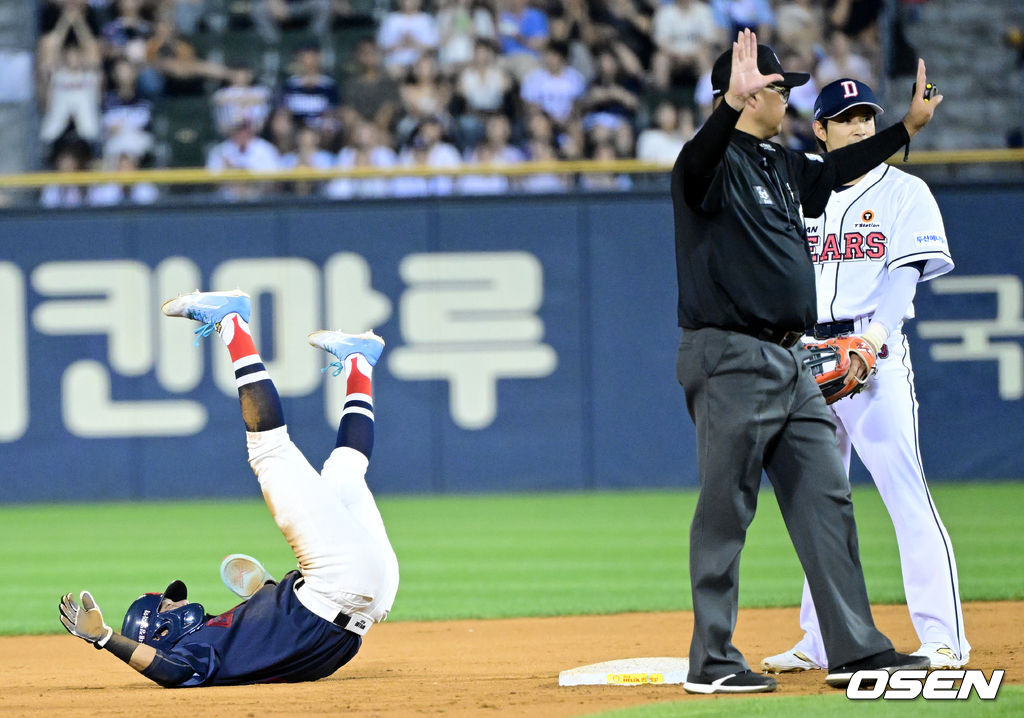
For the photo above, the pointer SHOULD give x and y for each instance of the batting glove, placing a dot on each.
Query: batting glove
(85, 621)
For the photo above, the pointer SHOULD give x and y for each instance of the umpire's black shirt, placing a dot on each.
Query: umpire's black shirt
(742, 258)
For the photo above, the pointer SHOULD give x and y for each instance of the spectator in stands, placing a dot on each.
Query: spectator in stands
(70, 78)
(307, 154)
(126, 35)
(311, 96)
(686, 38)
(425, 95)
(569, 22)
(189, 15)
(796, 131)
(243, 150)
(51, 11)
(613, 99)
(736, 15)
(858, 20)
(842, 61)
(482, 90)
(279, 130)
(364, 150)
(113, 193)
(523, 33)
(72, 156)
(241, 100)
(369, 93)
(178, 69)
(461, 23)
(427, 148)
(270, 16)
(538, 150)
(801, 99)
(494, 150)
(604, 181)
(126, 115)
(799, 28)
(627, 24)
(673, 126)
(555, 87)
(405, 34)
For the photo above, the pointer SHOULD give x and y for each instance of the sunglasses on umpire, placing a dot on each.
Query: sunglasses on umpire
(783, 91)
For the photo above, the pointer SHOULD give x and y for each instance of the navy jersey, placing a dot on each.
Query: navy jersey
(271, 638)
(309, 103)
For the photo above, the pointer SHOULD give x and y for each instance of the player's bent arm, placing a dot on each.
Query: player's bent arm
(166, 669)
(900, 289)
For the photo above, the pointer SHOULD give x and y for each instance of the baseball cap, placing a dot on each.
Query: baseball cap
(837, 97)
(768, 64)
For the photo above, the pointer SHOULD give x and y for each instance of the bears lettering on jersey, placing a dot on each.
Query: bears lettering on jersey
(856, 246)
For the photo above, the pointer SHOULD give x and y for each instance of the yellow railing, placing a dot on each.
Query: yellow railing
(203, 176)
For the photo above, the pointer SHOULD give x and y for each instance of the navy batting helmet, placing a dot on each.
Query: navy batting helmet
(145, 623)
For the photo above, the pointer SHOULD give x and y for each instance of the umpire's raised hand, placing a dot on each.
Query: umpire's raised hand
(921, 109)
(746, 80)
(85, 621)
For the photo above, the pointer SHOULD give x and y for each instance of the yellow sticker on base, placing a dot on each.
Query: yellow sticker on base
(634, 678)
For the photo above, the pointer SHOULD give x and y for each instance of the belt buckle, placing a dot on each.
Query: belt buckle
(789, 339)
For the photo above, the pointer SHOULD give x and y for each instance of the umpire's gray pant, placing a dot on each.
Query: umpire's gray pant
(755, 407)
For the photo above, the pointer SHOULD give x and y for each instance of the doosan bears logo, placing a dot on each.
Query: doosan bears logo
(853, 246)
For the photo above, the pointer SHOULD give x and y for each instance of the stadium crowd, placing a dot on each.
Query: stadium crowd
(431, 83)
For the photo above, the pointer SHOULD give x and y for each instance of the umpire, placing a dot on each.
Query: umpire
(746, 295)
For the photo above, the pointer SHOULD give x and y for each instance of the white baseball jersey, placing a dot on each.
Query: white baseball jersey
(887, 220)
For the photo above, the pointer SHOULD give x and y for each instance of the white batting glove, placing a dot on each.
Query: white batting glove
(85, 621)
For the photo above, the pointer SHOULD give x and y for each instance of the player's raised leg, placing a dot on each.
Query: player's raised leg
(289, 484)
(364, 550)
(228, 314)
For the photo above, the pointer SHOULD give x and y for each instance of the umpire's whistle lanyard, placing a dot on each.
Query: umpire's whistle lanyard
(773, 178)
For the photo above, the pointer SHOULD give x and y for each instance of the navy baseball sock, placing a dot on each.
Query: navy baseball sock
(261, 405)
(356, 428)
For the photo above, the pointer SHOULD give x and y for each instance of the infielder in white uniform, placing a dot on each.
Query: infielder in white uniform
(878, 238)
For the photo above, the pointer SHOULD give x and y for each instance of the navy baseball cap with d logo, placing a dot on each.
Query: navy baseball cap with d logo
(837, 97)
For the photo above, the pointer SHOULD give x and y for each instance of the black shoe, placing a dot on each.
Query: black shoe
(889, 661)
(745, 682)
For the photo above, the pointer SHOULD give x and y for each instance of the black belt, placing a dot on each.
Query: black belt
(827, 330)
(785, 338)
(341, 620)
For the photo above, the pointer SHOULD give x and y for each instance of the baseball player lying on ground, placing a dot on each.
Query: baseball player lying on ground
(312, 622)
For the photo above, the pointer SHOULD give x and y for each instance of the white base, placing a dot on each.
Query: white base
(627, 672)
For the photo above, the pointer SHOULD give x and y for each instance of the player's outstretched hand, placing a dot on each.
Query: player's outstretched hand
(921, 110)
(84, 621)
(746, 80)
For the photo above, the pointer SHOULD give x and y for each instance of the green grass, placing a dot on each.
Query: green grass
(478, 556)
(1008, 704)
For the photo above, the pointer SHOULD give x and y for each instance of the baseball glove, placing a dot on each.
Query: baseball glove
(831, 364)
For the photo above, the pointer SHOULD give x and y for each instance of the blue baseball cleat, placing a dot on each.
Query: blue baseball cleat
(343, 345)
(209, 308)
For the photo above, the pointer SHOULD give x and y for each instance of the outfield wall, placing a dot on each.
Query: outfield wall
(531, 343)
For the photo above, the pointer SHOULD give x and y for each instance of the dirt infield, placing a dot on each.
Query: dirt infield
(457, 668)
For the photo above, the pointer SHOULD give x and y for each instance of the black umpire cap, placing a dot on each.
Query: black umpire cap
(839, 96)
(767, 62)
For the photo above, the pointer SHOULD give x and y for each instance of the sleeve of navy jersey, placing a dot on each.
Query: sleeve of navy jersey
(271, 638)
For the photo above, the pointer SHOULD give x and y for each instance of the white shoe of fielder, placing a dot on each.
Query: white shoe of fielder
(941, 655)
(243, 575)
(789, 662)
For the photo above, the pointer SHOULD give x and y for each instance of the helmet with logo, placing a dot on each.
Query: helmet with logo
(146, 623)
